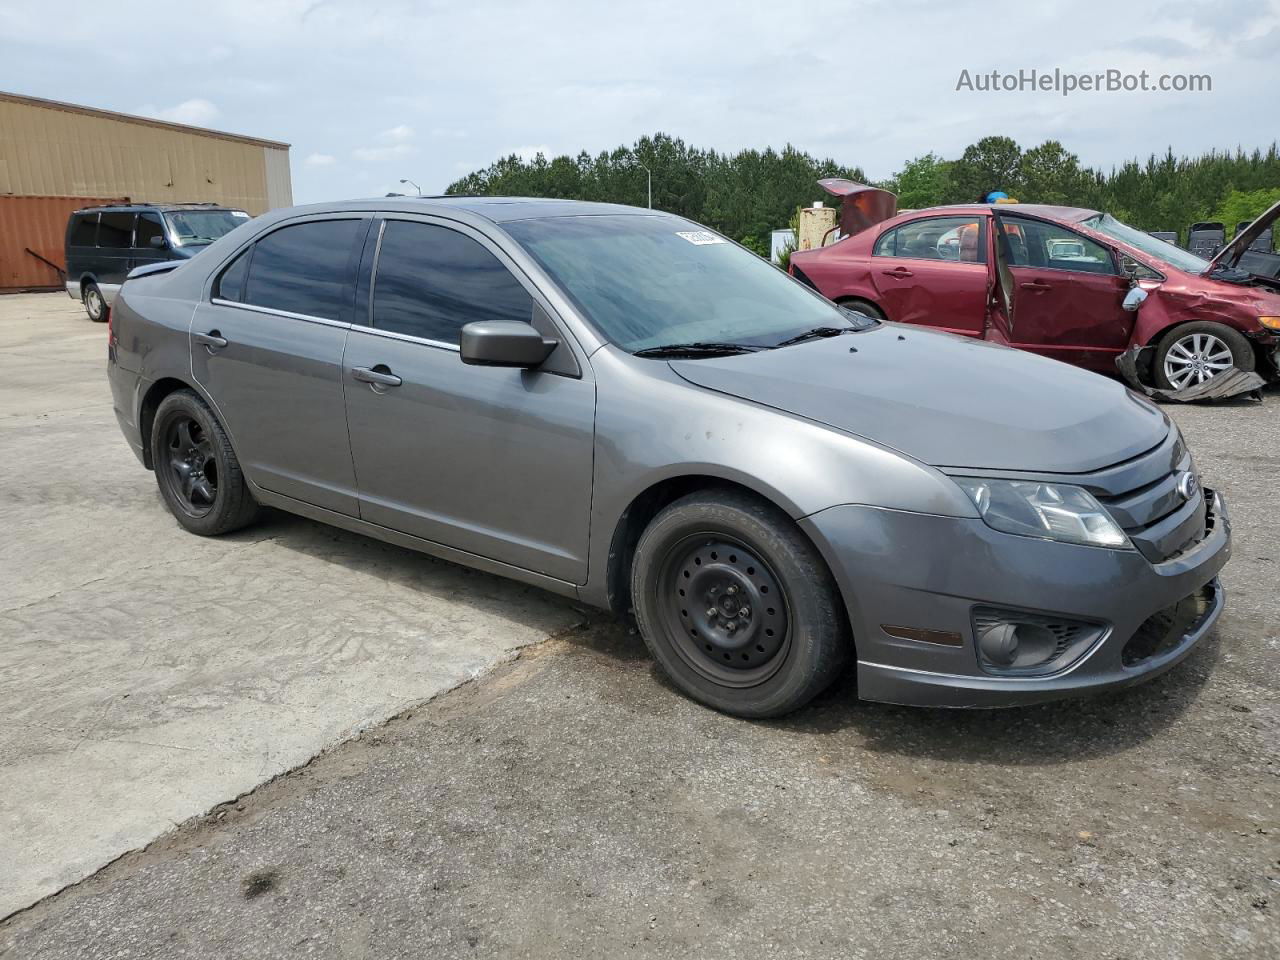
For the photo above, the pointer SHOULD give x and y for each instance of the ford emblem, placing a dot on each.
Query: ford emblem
(1188, 485)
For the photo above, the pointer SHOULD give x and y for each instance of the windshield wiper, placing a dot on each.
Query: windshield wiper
(816, 333)
(698, 348)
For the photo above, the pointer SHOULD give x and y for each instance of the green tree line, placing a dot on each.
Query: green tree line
(747, 194)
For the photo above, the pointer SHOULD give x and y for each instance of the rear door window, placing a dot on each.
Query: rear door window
(954, 239)
(431, 280)
(115, 230)
(1034, 243)
(305, 268)
(84, 230)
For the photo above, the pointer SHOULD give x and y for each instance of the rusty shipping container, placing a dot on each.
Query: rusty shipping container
(57, 157)
(32, 230)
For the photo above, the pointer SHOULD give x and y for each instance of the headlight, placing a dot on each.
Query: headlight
(1053, 510)
(1271, 323)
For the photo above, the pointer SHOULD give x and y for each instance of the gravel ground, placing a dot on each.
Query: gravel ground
(572, 804)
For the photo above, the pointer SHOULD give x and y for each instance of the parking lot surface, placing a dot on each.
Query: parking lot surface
(148, 674)
(571, 803)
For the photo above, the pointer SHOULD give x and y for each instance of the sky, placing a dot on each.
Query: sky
(371, 92)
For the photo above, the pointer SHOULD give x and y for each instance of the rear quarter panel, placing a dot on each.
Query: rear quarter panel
(843, 269)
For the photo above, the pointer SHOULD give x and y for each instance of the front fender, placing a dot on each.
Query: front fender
(653, 426)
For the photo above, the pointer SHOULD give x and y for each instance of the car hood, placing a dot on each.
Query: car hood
(945, 400)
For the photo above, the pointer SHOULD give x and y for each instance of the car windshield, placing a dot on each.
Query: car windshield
(1166, 252)
(653, 281)
(193, 227)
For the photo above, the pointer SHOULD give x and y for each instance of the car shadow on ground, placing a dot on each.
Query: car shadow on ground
(1044, 734)
(1052, 733)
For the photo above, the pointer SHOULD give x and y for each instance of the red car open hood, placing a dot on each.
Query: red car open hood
(861, 206)
(1229, 256)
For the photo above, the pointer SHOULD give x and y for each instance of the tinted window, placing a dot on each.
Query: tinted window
(1033, 243)
(115, 230)
(230, 285)
(432, 280)
(83, 230)
(958, 239)
(149, 226)
(304, 268)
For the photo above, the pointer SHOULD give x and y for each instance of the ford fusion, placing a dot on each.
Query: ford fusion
(623, 407)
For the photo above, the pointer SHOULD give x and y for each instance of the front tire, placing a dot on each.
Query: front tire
(737, 606)
(196, 469)
(95, 305)
(1192, 353)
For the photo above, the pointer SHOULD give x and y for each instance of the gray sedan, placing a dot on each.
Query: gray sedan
(621, 406)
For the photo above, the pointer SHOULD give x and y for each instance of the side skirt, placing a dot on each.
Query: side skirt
(430, 547)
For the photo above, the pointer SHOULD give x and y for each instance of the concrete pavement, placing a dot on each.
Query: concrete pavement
(148, 674)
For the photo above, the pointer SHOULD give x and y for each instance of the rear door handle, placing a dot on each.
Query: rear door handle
(376, 377)
(1035, 285)
(900, 272)
(213, 339)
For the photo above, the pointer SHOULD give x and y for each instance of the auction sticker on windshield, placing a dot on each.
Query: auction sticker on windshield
(700, 237)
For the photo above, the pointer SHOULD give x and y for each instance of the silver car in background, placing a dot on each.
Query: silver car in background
(623, 407)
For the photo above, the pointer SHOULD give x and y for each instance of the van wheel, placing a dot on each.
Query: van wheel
(94, 303)
(737, 606)
(864, 306)
(196, 469)
(1195, 352)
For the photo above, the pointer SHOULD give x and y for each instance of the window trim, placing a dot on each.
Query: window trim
(273, 312)
(984, 228)
(1111, 251)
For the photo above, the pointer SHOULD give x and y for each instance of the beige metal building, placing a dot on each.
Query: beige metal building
(56, 157)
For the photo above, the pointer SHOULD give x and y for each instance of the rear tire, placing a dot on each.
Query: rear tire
(864, 306)
(737, 606)
(1187, 351)
(196, 469)
(95, 305)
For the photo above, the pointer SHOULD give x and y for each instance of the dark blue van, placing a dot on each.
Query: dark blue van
(105, 243)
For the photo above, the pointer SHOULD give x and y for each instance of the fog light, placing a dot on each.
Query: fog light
(1017, 645)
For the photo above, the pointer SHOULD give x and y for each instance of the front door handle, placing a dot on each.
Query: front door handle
(213, 340)
(379, 376)
(1039, 285)
(900, 272)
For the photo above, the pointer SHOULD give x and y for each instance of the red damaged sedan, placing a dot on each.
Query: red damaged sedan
(1057, 281)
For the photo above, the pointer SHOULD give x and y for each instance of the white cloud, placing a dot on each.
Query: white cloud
(398, 134)
(379, 154)
(320, 160)
(197, 112)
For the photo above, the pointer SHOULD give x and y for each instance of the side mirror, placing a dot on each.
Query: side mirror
(159, 243)
(504, 343)
(1133, 299)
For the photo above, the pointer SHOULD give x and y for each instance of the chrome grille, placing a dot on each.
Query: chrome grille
(1142, 497)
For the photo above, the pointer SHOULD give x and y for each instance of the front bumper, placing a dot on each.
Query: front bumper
(929, 572)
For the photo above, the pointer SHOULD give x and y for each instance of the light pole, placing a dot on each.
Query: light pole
(648, 174)
(414, 185)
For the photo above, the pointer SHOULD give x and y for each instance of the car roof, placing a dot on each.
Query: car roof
(162, 207)
(1048, 211)
(495, 209)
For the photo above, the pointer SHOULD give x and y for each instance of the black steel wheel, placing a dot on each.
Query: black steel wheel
(196, 468)
(726, 608)
(736, 604)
